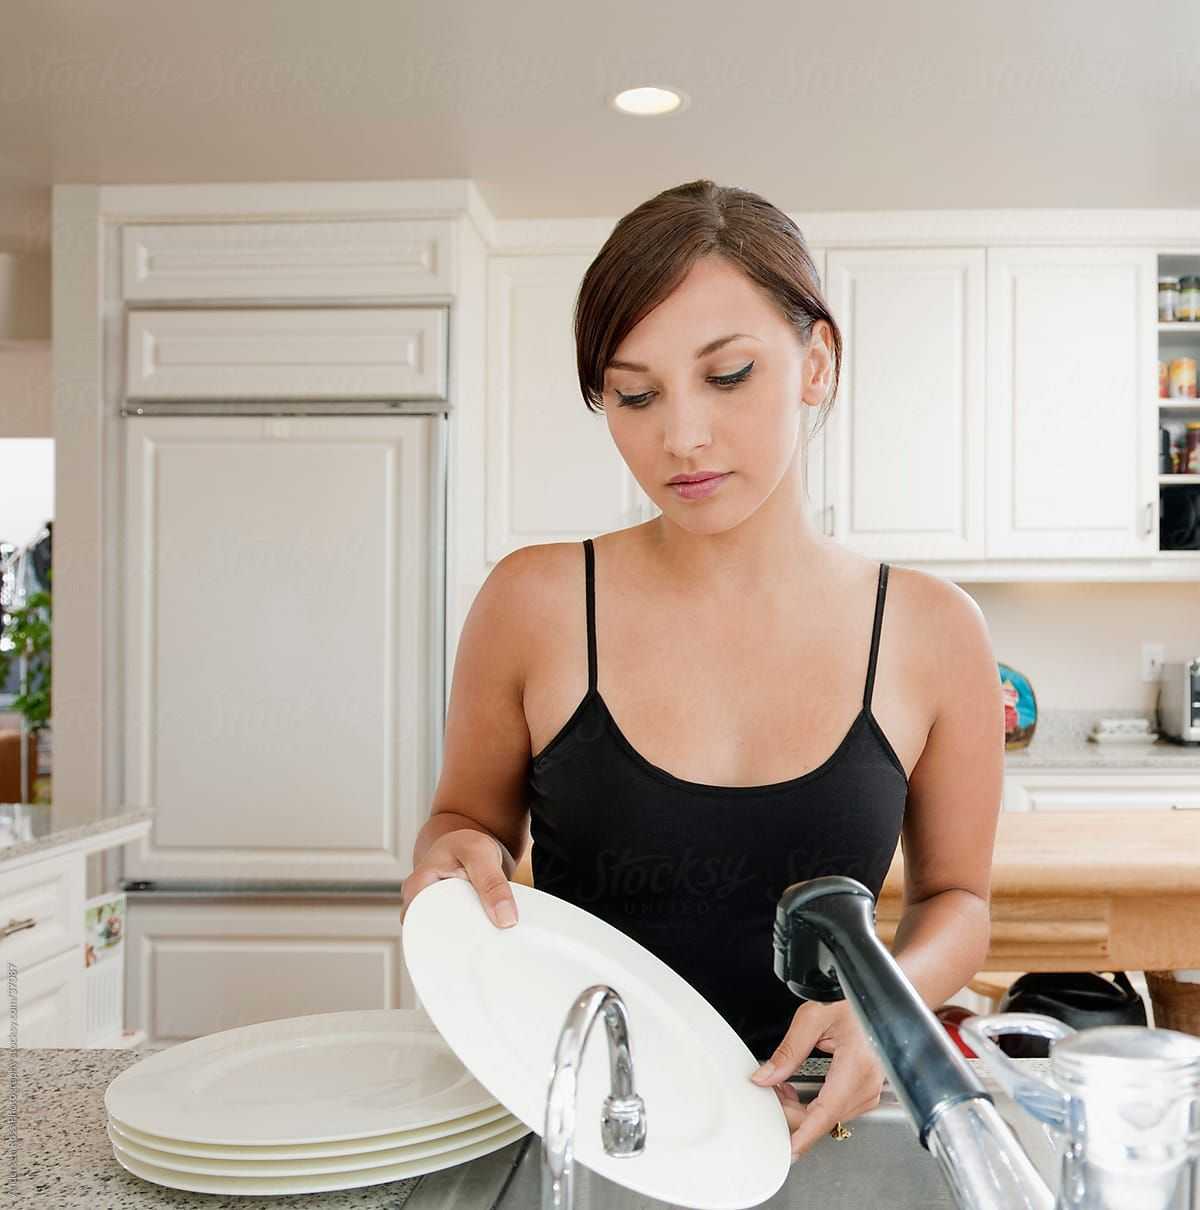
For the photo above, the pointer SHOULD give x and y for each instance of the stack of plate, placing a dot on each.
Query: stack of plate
(304, 1105)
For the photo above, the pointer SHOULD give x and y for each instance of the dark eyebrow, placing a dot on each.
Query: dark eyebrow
(711, 347)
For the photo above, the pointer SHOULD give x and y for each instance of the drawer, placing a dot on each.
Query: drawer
(50, 1002)
(50, 893)
(365, 259)
(345, 353)
(1109, 790)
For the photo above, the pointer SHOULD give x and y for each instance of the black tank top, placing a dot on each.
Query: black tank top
(694, 872)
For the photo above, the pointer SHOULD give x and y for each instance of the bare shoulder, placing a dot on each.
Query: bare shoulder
(946, 632)
(527, 592)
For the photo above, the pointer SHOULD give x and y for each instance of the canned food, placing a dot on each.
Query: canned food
(1188, 308)
(1182, 378)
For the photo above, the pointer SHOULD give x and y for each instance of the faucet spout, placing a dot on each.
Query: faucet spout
(623, 1118)
(826, 949)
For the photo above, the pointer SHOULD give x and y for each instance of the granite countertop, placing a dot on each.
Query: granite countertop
(1060, 742)
(58, 1155)
(28, 829)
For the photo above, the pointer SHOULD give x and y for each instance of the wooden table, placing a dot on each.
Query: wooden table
(1076, 890)
(1094, 890)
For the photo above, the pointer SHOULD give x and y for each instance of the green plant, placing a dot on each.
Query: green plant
(26, 631)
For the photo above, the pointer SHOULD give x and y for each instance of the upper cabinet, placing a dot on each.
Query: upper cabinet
(993, 406)
(1071, 433)
(225, 261)
(904, 444)
(553, 472)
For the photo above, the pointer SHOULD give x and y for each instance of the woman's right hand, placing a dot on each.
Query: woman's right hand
(465, 853)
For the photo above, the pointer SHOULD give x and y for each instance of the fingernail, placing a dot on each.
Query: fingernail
(765, 1072)
(505, 913)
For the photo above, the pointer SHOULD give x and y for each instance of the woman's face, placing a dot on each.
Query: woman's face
(736, 409)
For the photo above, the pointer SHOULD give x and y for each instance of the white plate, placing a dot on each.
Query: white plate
(376, 1142)
(714, 1139)
(267, 1185)
(215, 1166)
(314, 1079)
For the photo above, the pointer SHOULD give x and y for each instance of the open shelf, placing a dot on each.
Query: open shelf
(1177, 338)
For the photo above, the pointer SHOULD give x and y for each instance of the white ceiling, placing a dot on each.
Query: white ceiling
(860, 105)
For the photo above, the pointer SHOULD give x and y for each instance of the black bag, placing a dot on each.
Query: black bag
(1079, 998)
(1179, 519)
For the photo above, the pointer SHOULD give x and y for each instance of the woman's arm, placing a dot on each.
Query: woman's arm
(949, 830)
(954, 797)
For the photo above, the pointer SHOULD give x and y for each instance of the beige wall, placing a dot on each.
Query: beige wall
(1080, 644)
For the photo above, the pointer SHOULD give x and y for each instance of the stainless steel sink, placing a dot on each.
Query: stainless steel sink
(881, 1164)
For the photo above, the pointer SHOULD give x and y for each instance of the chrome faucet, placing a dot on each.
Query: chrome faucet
(623, 1119)
(826, 949)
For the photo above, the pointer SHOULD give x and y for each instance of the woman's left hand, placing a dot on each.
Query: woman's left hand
(852, 1084)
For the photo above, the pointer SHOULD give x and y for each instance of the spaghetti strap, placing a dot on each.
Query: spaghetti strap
(589, 560)
(880, 593)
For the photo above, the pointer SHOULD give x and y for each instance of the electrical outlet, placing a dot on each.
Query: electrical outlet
(1153, 657)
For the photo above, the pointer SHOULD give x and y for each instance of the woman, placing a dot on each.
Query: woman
(717, 706)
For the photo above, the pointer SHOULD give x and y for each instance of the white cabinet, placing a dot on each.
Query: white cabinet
(553, 472)
(197, 966)
(41, 936)
(283, 677)
(904, 450)
(227, 261)
(1101, 790)
(344, 353)
(1071, 381)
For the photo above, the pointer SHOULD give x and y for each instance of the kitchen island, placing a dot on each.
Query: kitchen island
(1086, 891)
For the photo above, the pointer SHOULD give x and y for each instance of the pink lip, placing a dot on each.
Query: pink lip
(704, 487)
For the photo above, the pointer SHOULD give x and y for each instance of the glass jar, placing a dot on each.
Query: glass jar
(1168, 298)
(1188, 307)
(1164, 381)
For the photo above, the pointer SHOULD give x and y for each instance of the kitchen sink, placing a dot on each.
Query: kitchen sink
(881, 1164)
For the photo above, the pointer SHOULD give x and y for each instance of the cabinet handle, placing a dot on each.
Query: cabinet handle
(15, 926)
(1149, 516)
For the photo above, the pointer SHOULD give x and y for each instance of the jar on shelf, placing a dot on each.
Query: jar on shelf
(1164, 381)
(1181, 375)
(1168, 298)
(1188, 307)
(1191, 451)
(1191, 448)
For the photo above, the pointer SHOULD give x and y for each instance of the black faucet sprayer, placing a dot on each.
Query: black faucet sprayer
(826, 950)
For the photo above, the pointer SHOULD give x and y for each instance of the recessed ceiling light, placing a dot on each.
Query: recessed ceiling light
(649, 101)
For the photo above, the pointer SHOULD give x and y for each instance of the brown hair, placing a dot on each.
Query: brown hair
(653, 247)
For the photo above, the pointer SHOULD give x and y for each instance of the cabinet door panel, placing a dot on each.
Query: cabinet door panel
(904, 451)
(282, 676)
(343, 354)
(197, 967)
(172, 262)
(1071, 415)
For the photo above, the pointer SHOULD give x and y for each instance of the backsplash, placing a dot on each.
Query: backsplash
(1080, 644)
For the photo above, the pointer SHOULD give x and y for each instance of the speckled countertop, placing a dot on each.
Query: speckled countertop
(56, 1153)
(1060, 742)
(25, 829)
(57, 1156)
